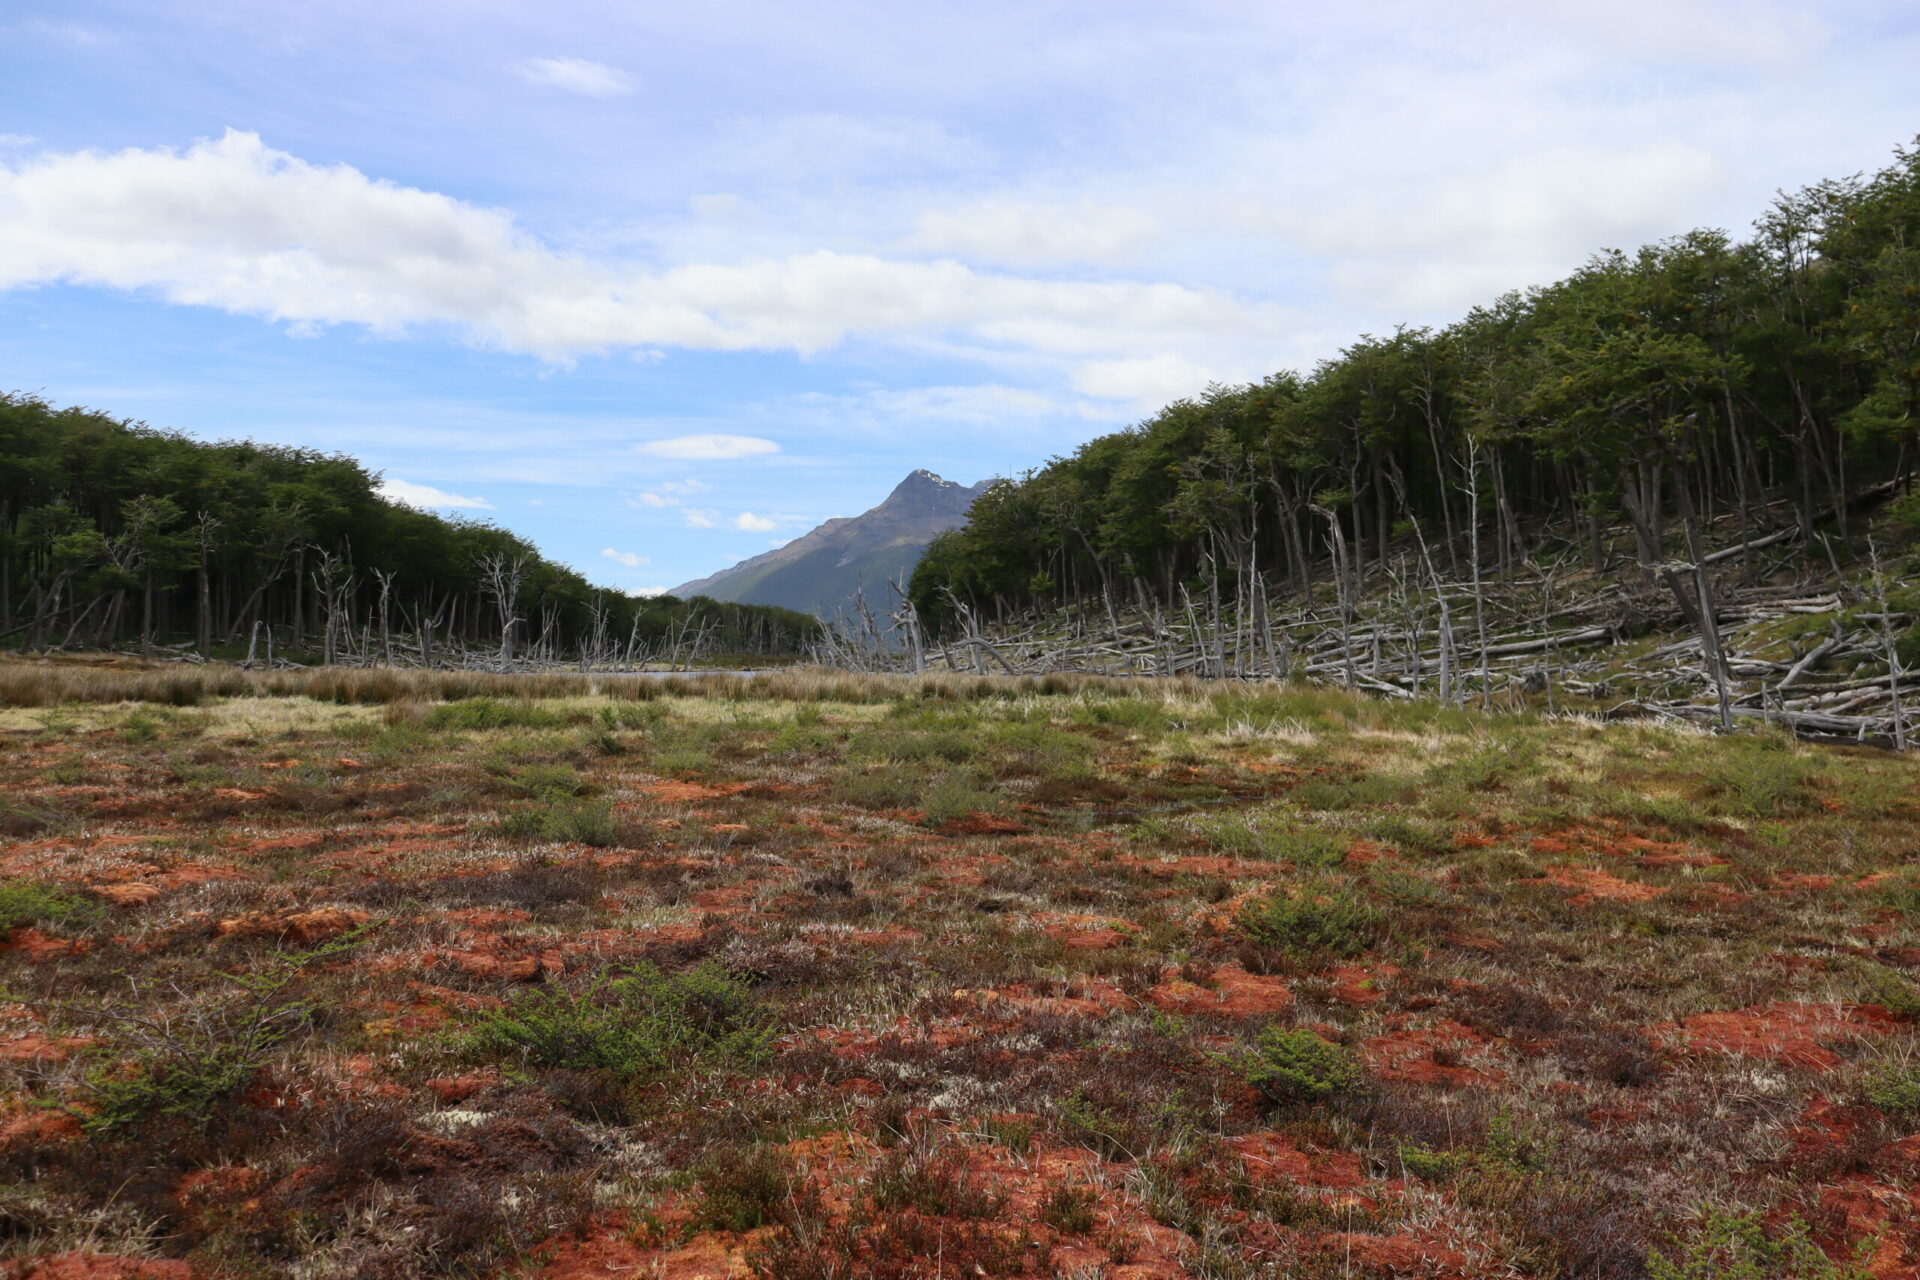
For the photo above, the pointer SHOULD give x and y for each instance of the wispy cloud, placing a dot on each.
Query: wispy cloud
(577, 75)
(751, 523)
(708, 448)
(627, 558)
(427, 498)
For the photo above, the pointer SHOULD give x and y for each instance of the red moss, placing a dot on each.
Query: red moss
(1787, 1033)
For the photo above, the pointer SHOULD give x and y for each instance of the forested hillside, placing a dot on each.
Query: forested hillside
(1764, 384)
(113, 533)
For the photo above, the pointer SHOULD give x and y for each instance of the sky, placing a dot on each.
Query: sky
(663, 286)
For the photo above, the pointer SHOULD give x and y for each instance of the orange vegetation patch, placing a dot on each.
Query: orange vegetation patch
(36, 1130)
(1787, 1033)
(33, 1046)
(38, 948)
(1434, 1054)
(1230, 992)
(613, 1252)
(1358, 986)
(1594, 885)
(674, 791)
(983, 824)
(1275, 1157)
(293, 926)
(1398, 1255)
(1089, 933)
(1095, 998)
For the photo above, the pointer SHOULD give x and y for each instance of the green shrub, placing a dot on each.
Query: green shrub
(884, 789)
(1313, 921)
(1886, 988)
(1737, 1246)
(957, 794)
(494, 713)
(1274, 833)
(189, 1066)
(24, 902)
(1894, 1088)
(548, 780)
(1763, 778)
(744, 1192)
(1412, 835)
(634, 1027)
(949, 745)
(1298, 1066)
(1433, 1166)
(141, 726)
(561, 819)
(1901, 894)
(1069, 1209)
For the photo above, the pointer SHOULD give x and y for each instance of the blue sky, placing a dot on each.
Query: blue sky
(662, 286)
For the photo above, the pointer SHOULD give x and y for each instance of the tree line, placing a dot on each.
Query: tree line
(1696, 380)
(113, 533)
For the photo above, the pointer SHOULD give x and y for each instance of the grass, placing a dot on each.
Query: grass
(952, 976)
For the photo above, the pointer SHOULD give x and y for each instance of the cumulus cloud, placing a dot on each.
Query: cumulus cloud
(708, 448)
(577, 75)
(751, 523)
(627, 558)
(697, 518)
(427, 498)
(234, 224)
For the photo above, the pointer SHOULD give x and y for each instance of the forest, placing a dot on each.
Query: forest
(117, 534)
(1769, 383)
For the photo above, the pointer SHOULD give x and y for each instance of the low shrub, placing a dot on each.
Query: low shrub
(1895, 1088)
(1069, 1209)
(1297, 1066)
(1737, 1246)
(1313, 921)
(747, 1191)
(494, 713)
(561, 819)
(24, 902)
(633, 1027)
(956, 794)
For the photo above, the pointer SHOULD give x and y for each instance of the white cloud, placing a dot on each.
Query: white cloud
(708, 448)
(427, 498)
(1150, 381)
(751, 523)
(627, 558)
(17, 139)
(577, 75)
(667, 493)
(701, 519)
(1030, 234)
(233, 224)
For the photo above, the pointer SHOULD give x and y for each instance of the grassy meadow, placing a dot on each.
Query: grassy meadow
(800, 975)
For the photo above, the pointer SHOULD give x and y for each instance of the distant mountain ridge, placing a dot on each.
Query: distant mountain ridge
(820, 572)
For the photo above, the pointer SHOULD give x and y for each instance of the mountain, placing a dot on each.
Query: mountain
(819, 572)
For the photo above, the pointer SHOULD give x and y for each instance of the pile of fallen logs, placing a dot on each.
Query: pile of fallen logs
(1821, 662)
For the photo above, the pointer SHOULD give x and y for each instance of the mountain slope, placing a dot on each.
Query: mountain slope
(820, 572)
